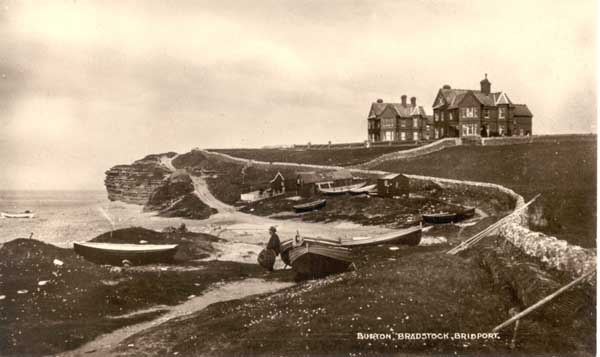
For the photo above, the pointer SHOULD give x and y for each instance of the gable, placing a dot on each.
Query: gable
(503, 99)
(389, 112)
(469, 100)
(439, 100)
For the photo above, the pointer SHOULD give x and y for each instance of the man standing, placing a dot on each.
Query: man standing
(266, 258)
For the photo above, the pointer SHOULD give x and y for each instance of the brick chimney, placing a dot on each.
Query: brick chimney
(486, 86)
(403, 100)
(413, 101)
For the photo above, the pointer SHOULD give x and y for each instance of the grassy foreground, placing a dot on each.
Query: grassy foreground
(52, 300)
(563, 172)
(409, 290)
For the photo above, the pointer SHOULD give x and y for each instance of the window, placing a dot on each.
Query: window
(501, 112)
(451, 116)
(435, 116)
(471, 112)
(437, 133)
(469, 129)
(389, 135)
(442, 132)
(501, 130)
(402, 135)
(402, 123)
(486, 113)
(415, 122)
(415, 136)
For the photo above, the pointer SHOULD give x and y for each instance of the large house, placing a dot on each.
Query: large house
(466, 112)
(396, 121)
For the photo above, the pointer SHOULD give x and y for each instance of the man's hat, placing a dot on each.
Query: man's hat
(272, 229)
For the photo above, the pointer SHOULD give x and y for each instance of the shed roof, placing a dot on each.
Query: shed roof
(390, 176)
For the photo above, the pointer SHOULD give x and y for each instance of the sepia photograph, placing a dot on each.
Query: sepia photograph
(285, 178)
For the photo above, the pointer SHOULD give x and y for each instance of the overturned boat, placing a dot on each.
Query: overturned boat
(330, 190)
(408, 236)
(443, 218)
(369, 189)
(25, 214)
(310, 206)
(115, 253)
(316, 259)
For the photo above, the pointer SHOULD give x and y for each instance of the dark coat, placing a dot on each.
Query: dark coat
(274, 243)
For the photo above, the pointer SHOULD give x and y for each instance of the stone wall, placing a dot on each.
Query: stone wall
(407, 154)
(511, 140)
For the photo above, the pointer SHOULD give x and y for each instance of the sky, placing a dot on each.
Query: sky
(85, 85)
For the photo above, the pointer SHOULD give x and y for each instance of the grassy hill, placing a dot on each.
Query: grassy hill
(341, 157)
(563, 172)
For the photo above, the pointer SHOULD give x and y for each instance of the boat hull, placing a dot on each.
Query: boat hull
(313, 260)
(342, 190)
(17, 215)
(410, 236)
(443, 218)
(363, 190)
(112, 254)
(311, 206)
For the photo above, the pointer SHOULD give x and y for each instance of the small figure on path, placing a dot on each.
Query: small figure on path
(267, 256)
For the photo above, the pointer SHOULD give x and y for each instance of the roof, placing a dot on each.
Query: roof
(521, 110)
(453, 96)
(403, 111)
(390, 176)
(314, 177)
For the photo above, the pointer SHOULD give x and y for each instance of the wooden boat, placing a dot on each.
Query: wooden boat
(409, 236)
(340, 190)
(365, 189)
(287, 245)
(25, 214)
(313, 260)
(310, 206)
(114, 253)
(442, 218)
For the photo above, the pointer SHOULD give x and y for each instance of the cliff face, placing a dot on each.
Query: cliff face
(136, 182)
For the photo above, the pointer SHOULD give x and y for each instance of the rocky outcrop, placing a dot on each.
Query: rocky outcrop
(175, 197)
(136, 182)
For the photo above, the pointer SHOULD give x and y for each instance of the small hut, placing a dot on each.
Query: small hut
(263, 190)
(392, 185)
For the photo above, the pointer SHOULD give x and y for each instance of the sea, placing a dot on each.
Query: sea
(64, 217)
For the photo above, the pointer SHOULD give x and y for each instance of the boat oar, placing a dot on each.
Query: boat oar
(544, 301)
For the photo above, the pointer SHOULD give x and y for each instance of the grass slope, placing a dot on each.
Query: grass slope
(340, 157)
(409, 290)
(563, 172)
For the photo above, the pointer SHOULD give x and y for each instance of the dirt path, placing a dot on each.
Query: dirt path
(103, 345)
(207, 197)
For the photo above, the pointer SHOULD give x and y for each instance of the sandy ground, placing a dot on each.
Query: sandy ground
(102, 345)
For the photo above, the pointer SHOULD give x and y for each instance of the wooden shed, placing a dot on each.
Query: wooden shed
(393, 185)
(263, 190)
(307, 183)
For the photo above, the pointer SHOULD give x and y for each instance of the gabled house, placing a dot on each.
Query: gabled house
(396, 121)
(466, 112)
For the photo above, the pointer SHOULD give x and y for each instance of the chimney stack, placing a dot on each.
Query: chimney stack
(413, 101)
(486, 86)
(380, 100)
(404, 100)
